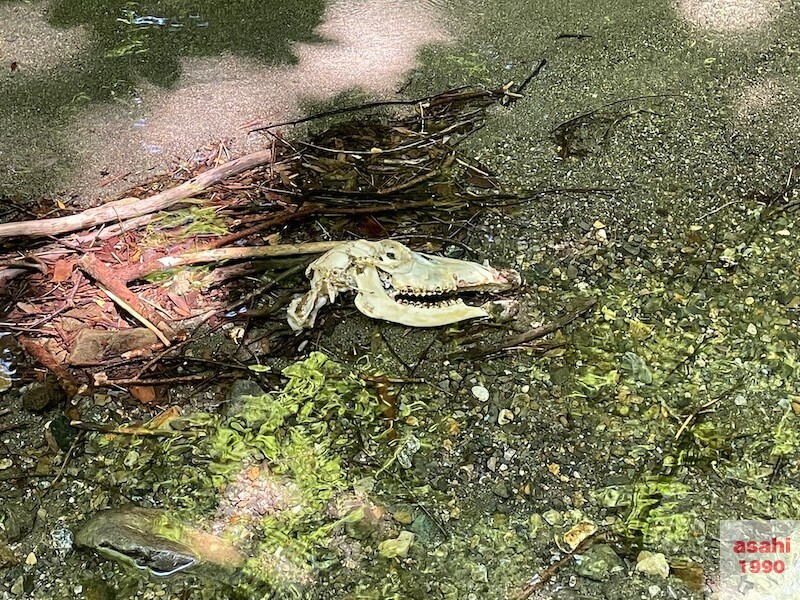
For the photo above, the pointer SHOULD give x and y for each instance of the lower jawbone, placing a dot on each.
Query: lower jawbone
(420, 304)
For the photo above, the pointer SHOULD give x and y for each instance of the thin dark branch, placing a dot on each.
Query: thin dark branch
(357, 108)
(573, 36)
(530, 335)
(539, 580)
(582, 116)
(534, 72)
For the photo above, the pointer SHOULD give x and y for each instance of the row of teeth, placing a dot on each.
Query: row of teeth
(443, 303)
(421, 292)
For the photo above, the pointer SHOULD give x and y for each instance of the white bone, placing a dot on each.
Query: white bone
(365, 268)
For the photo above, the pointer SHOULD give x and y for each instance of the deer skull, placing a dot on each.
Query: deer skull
(394, 283)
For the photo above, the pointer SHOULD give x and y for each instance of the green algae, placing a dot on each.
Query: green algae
(667, 376)
(710, 313)
(674, 362)
(301, 433)
(190, 222)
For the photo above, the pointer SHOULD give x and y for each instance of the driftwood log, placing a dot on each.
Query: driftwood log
(128, 208)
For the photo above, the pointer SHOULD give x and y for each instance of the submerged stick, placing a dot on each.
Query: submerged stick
(219, 254)
(133, 430)
(136, 315)
(530, 335)
(127, 208)
(368, 105)
(152, 265)
(539, 580)
(111, 285)
(41, 354)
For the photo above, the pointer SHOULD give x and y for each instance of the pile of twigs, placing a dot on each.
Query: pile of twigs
(101, 269)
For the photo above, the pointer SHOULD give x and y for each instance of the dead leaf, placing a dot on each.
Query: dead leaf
(372, 228)
(181, 304)
(62, 270)
(161, 421)
(577, 534)
(146, 394)
(690, 572)
(27, 308)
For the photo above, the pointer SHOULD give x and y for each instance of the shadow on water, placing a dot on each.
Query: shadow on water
(128, 42)
(154, 35)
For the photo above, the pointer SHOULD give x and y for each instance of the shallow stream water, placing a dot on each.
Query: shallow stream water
(657, 150)
(97, 90)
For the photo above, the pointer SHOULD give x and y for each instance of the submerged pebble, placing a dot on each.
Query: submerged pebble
(505, 417)
(652, 563)
(397, 547)
(599, 562)
(480, 392)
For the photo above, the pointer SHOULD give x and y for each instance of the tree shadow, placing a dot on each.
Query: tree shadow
(129, 42)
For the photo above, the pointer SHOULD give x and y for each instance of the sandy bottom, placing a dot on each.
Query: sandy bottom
(370, 44)
(762, 97)
(729, 15)
(30, 43)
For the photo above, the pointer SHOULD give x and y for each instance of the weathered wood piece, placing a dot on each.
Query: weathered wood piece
(128, 208)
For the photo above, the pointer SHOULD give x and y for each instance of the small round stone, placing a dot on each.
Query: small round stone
(480, 392)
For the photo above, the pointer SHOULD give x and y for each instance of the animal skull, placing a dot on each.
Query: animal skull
(394, 283)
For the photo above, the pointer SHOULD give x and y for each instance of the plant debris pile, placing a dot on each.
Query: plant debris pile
(105, 304)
